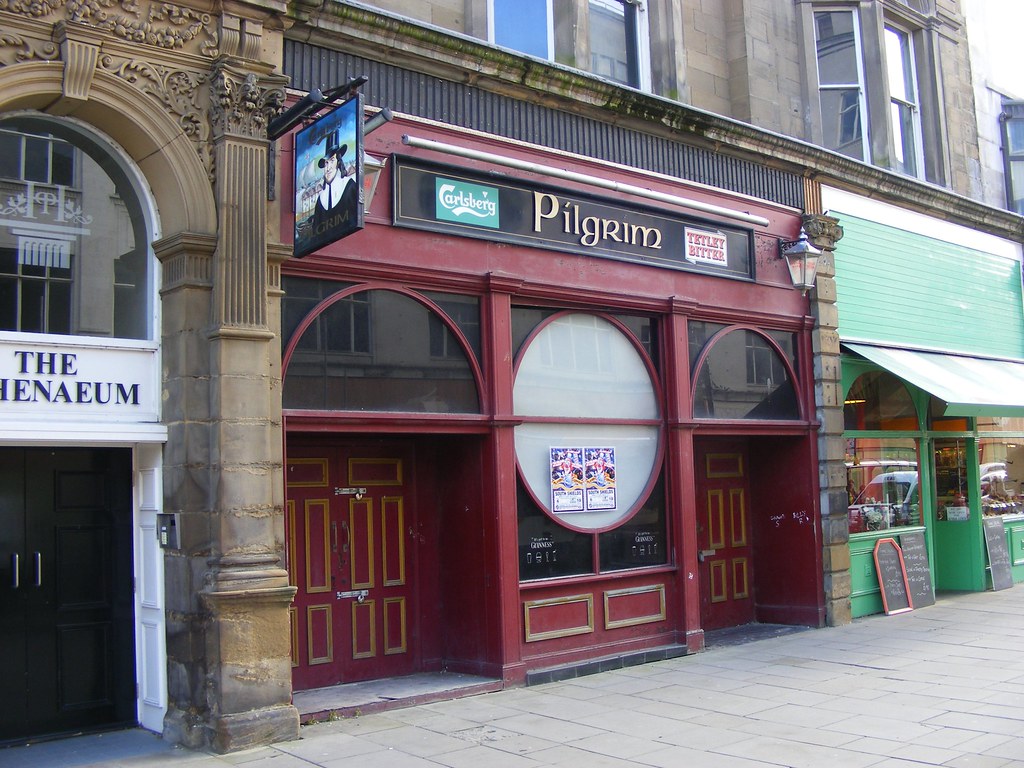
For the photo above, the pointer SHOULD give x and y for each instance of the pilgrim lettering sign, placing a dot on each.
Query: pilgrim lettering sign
(443, 198)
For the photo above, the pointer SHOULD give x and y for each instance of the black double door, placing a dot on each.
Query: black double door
(67, 660)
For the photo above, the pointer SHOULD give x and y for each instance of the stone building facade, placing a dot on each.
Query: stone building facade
(174, 100)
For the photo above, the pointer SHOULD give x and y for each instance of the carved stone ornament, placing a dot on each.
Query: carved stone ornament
(15, 49)
(179, 91)
(163, 25)
(824, 231)
(242, 103)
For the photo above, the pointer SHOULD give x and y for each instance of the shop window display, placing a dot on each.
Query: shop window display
(883, 480)
(883, 483)
(1001, 465)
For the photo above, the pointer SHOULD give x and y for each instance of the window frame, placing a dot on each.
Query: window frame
(637, 43)
(136, 317)
(862, 105)
(908, 69)
(1013, 112)
(871, 24)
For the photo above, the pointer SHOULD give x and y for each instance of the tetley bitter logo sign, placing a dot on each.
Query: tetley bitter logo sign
(446, 199)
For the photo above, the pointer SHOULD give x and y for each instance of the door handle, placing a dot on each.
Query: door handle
(15, 568)
(38, 561)
(704, 553)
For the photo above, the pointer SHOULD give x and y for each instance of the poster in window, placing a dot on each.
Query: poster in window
(600, 478)
(567, 479)
(329, 178)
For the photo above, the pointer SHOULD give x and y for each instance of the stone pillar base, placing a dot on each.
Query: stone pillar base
(230, 733)
(183, 729)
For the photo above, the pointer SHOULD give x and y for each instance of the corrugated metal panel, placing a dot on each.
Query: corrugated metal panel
(417, 94)
(904, 289)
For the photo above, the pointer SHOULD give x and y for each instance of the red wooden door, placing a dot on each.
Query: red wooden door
(723, 531)
(349, 519)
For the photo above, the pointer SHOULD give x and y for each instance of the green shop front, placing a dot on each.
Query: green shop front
(931, 322)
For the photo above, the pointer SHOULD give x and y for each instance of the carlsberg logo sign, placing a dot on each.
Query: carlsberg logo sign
(466, 203)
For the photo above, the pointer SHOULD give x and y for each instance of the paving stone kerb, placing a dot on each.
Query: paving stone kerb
(943, 685)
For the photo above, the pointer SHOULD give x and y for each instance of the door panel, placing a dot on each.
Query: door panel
(350, 525)
(69, 621)
(723, 530)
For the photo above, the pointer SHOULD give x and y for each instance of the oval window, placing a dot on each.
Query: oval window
(590, 440)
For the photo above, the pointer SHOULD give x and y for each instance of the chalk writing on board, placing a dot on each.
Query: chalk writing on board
(998, 553)
(892, 577)
(919, 575)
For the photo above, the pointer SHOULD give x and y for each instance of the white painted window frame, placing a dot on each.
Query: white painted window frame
(642, 33)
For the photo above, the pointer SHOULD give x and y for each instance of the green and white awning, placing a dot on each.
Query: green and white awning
(970, 386)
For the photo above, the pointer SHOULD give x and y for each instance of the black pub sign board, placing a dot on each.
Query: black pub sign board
(461, 202)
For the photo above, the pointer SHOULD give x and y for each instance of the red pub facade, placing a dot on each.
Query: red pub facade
(542, 414)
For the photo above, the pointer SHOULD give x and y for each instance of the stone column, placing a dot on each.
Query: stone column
(245, 590)
(228, 596)
(824, 232)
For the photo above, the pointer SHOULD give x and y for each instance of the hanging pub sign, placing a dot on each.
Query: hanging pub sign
(458, 201)
(329, 178)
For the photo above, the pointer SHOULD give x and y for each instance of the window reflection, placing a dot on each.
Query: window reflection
(882, 483)
(609, 46)
(1001, 460)
(74, 254)
(879, 400)
(840, 82)
(374, 351)
(743, 377)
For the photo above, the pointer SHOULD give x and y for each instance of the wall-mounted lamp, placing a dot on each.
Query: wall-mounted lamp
(372, 169)
(373, 166)
(802, 258)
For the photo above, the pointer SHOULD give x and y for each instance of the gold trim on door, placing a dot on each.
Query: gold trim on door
(719, 582)
(325, 517)
(367, 609)
(387, 504)
(392, 647)
(328, 626)
(738, 513)
(354, 464)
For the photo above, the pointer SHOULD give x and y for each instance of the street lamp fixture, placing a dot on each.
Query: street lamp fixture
(802, 258)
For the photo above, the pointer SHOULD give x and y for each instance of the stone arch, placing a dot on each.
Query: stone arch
(143, 129)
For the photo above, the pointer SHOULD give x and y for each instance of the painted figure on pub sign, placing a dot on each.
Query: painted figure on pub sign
(328, 178)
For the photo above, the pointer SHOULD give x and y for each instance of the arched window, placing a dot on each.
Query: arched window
(74, 241)
(743, 376)
(379, 350)
(878, 400)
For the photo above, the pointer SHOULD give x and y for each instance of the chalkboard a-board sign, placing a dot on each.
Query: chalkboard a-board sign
(998, 553)
(892, 577)
(919, 575)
